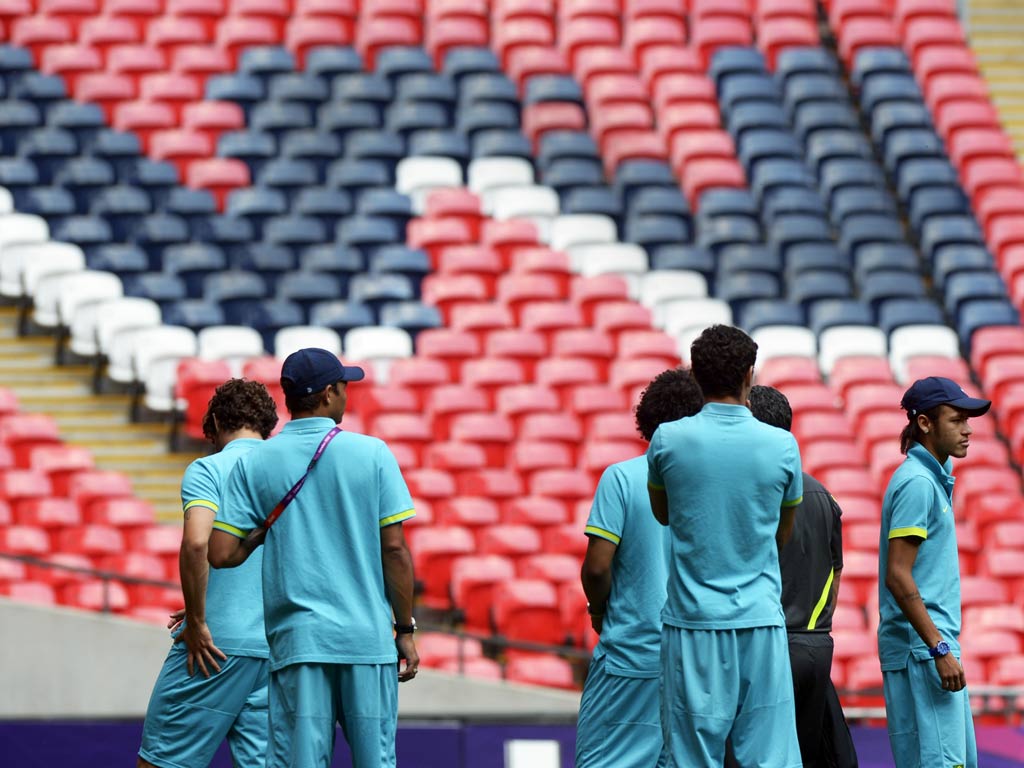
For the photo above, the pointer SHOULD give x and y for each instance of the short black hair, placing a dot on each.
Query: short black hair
(912, 432)
(720, 358)
(306, 403)
(671, 395)
(771, 406)
(240, 404)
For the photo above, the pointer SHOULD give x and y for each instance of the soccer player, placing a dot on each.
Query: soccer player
(929, 712)
(337, 574)
(811, 563)
(624, 574)
(726, 485)
(222, 636)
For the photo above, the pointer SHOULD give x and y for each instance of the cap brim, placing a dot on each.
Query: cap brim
(974, 406)
(353, 373)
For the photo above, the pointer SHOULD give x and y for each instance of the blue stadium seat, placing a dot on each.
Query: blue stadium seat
(791, 229)
(18, 175)
(825, 314)
(195, 314)
(596, 199)
(52, 203)
(950, 230)
(882, 256)
(895, 313)
(804, 257)
(254, 148)
(412, 263)
(233, 289)
(327, 61)
(244, 90)
(812, 286)
(157, 231)
(83, 120)
(161, 287)
(817, 116)
(15, 62)
(429, 88)
(474, 118)
(935, 202)
(884, 284)
(375, 145)
(387, 203)
(83, 177)
(367, 233)
(724, 201)
(883, 88)
(232, 233)
(872, 61)
(853, 201)
(267, 316)
(542, 88)
(374, 290)
(810, 87)
(798, 61)
(49, 149)
(269, 260)
(909, 144)
(279, 117)
(921, 174)
(362, 88)
(748, 257)
(735, 60)
(982, 314)
(756, 116)
(340, 118)
(966, 287)
(764, 312)
(659, 200)
(657, 230)
(955, 259)
(405, 117)
(122, 206)
(740, 288)
(288, 176)
(897, 115)
(17, 120)
(771, 176)
(828, 144)
(341, 316)
(319, 147)
(461, 62)
(632, 176)
(295, 232)
(338, 260)
(411, 316)
(768, 144)
(691, 257)
(440, 143)
(192, 262)
(308, 90)
(323, 203)
(743, 88)
(838, 173)
(307, 288)
(155, 176)
(487, 89)
(727, 229)
(560, 144)
(264, 61)
(120, 258)
(501, 143)
(399, 61)
(863, 229)
(257, 204)
(42, 90)
(793, 201)
(568, 174)
(190, 204)
(354, 176)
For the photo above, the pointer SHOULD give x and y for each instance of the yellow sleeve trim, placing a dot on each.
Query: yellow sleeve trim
(822, 601)
(655, 486)
(795, 502)
(899, 533)
(593, 530)
(384, 521)
(222, 526)
(200, 503)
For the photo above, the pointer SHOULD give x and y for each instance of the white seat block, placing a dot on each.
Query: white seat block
(910, 341)
(6, 201)
(659, 286)
(784, 341)
(572, 229)
(490, 173)
(296, 337)
(24, 264)
(846, 340)
(377, 345)
(417, 177)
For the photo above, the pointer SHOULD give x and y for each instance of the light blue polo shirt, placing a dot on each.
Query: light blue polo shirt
(727, 476)
(621, 513)
(234, 596)
(919, 502)
(323, 583)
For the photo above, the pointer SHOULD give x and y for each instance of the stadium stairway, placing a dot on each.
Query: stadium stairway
(996, 28)
(99, 423)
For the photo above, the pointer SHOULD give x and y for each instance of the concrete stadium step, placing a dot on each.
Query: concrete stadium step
(996, 28)
(99, 422)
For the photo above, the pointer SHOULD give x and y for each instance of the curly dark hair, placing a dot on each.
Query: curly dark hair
(720, 358)
(240, 404)
(771, 406)
(671, 395)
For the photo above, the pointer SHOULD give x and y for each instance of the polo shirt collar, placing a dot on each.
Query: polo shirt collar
(942, 472)
(238, 443)
(311, 424)
(728, 409)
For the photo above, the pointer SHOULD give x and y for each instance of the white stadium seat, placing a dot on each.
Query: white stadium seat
(25, 264)
(58, 295)
(486, 174)
(572, 229)
(378, 346)
(120, 315)
(659, 286)
(6, 201)
(18, 228)
(846, 340)
(296, 337)
(628, 260)
(784, 341)
(234, 344)
(536, 203)
(417, 177)
(910, 341)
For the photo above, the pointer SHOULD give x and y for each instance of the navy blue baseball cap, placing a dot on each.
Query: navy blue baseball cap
(310, 370)
(925, 394)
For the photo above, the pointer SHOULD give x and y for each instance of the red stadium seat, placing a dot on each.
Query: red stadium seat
(812, 426)
(235, 33)
(603, 60)
(11, 571)
(516, 290)
(548, 671)
(569, 485)
(435, 648)
(507, 237)
(517, 401)
(527, 609)
(810, 397)
(780, 372)
(91, 540)
(446, 401)
(866, 32)
(942, 60)
(978, 591)
(923, 32)
(491, 431)
(631, 373)
(24, 432)
(973, 483)
(59, 461)
(39, 33)
(672, 88)
(691, 145)
(436, 551)
(389, 399)
(880, 427)
(17, 485)
(716, 9)
(106, 90)
(526, 61)
(862, 399)
(961, 113)
(998, 202)
(860, 574)
(303, 34)
(1004, 564)
(563, 428)
(618, 318)
(473, 582)
(713, 32)
(481, 669)
(563, 374)
(139, 565)
(135, 60)
(704, 174)
(535, 511)
(677, 119)
(527, 457)
(430, 484)
(468, 512)
(501, 484)
(598, 455)
(566, 539)
(511, 541)
(447, 292)
(35, 592)
(666, 60)
(181, 148)
(645, 34)
(49, 513)
(202, 60)
(777, 34)
(447, 34)
(922, 366)
(95, 595)
(24, 540)
(454, 457)
(581, 33)
(169, 33)
(1008, 534)
(596, 402)
(528, 348)
(103, 32)
(590, 292)
(517, 34)
(823, 455)
(143, 119)
(410, 429)
(841, 11)
(543, 117)
(859, 369)
(452, 347)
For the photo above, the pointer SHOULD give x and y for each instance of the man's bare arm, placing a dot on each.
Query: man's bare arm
(229, 551)
(659, 504)
(785, 530)
(195, 571)
(399, 581)
(596, 577)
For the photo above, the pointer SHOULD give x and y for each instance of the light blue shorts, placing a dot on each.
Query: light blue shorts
(928, 726)
(306, 700)
(189, 717)
(619, 723)
(730, 682)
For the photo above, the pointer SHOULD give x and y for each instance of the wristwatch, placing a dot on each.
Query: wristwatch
(405, 629)
(941, 649)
